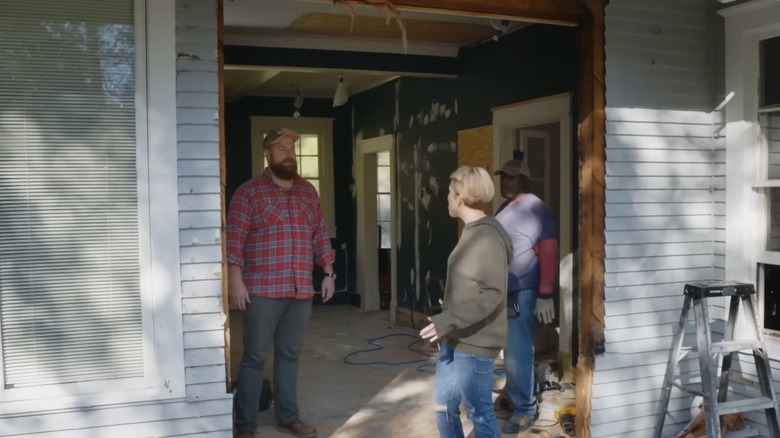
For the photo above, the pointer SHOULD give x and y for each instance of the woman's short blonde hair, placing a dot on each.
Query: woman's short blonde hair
(474, 185)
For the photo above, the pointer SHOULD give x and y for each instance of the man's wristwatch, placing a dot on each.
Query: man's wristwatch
(331, 275)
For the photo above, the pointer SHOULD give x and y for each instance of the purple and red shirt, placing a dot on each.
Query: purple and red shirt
(276, 235)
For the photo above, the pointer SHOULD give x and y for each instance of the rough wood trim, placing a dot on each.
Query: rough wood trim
(223, 183)
(592, 205)
(565, 12)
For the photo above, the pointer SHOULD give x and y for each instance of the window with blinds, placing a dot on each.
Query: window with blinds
(70, 301)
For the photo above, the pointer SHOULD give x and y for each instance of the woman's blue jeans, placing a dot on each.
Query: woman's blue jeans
(519, 357)
(468, 377)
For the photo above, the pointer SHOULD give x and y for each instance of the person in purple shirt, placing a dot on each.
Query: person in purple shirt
(532, 278)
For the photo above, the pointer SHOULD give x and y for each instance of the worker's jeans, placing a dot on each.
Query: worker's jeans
(283, 321)
(468, 377)
(519, 357)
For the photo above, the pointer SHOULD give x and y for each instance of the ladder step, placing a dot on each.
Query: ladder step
(749, 404)
(732, 346)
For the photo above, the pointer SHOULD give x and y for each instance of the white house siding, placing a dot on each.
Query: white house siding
(665, 197)
(197, 93)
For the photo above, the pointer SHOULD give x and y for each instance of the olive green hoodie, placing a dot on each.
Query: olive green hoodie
(473, 317)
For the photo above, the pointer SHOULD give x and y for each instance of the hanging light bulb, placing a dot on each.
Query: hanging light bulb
(297, 103)
(342, 93)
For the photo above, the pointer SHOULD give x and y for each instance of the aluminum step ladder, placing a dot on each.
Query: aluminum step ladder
(715, 395)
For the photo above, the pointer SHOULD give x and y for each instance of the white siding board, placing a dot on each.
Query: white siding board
(201, 271)
(615, 196)
(158, 419)
(196, 306)
(678, 222)
(659, 263)
(661, 169)
(204, 356)
(197, 100)
(200, 219)
(665, 182)
(655, 277)
(668, 156)
(205, 391)
(653, 143)
(183, 63)
(202, 288)
(204, 150)
(199, 184)
(201, 253)
(659, 249)
(203, 322)
(200, 236)
(192, 167)
(630, 293)
(200, 202)
(195, 132)
(205, 374)
(658, 236)
(660, 129)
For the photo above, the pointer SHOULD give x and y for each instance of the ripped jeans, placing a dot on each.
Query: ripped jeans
(468, 377)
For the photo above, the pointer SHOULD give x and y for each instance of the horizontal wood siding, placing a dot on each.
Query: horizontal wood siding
(665, 209)
(197, 90)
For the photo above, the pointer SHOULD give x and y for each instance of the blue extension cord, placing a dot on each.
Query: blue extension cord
(423, 367)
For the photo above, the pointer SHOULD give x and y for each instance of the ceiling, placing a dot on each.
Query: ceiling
(321, 24)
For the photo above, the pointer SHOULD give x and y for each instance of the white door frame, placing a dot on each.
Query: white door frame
(551, 109)
(367, 243)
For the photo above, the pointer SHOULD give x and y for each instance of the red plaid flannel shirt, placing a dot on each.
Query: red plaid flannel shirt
(275, 235)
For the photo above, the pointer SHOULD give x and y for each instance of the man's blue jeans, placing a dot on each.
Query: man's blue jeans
(519, 357)
(468, 377)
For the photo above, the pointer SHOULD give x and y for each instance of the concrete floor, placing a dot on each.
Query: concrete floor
(376, 401)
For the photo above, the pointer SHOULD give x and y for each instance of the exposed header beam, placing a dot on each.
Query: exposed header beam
(565, 12)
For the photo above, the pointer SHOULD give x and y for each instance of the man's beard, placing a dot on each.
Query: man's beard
(286, 169)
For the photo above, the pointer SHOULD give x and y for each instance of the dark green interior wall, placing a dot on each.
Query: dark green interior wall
(238, 133)
(420, 112)
(534, 62)
(537, 61)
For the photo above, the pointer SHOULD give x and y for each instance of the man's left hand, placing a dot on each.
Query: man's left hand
(328, 288)
(545, 310)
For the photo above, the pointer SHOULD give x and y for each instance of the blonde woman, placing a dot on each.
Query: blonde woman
(472, 326)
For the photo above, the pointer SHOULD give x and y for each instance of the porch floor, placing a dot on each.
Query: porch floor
(352, 401)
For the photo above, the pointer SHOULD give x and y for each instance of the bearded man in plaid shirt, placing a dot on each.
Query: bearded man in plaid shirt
(276, 231)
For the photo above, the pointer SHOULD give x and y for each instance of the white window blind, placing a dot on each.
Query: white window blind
(70, 302)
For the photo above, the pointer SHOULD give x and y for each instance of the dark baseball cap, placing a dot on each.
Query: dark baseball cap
(277, 134)
(514, 168)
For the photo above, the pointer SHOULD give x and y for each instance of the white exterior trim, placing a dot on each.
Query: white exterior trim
(746, 25)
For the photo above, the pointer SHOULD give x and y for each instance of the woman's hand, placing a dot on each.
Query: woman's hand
(429, 333)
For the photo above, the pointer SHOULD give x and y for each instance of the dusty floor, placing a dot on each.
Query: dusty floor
(376, 401)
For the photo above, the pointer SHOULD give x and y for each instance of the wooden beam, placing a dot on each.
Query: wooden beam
(592, 206)
(223, 183)
(565, 12)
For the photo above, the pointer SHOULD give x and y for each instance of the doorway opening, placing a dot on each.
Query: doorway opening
(376, 236)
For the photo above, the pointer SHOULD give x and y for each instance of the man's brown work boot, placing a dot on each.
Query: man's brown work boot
(298, 428)
(245, 434)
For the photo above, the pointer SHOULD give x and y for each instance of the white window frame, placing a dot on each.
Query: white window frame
(159, 238)
(323, 126)
(747, 209)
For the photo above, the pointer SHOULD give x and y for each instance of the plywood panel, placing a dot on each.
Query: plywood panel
(475, 148)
